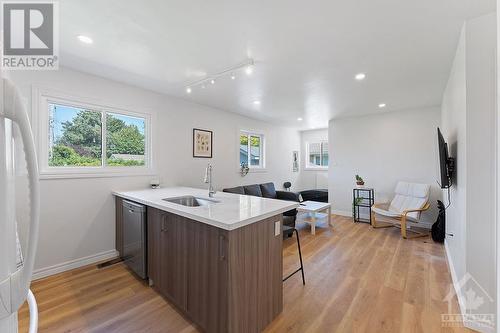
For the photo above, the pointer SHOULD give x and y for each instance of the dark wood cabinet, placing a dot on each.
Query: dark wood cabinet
(207, 276)
(255, 280)
(182, 253)
(174, 266)
(154, 246)
(167, 255)
(223, 281)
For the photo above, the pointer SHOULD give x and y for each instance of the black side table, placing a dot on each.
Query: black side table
(367, 196)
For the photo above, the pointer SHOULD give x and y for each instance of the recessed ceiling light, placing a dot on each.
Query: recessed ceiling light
(202, 86)
(299, 119)
(233, 77)
(188, 90)
(360, 76)
(256, 102)
(382, 105)
(249, 70)
(85, 39)
(212, 81)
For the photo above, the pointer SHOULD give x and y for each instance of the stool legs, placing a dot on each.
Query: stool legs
(301, 269)
(300, 257)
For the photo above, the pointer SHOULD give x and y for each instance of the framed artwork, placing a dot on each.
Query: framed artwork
(202, 143)
(295, 165)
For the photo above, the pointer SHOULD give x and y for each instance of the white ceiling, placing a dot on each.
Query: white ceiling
(306, 52)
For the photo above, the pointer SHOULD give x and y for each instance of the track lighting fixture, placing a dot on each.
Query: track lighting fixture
(247, 66)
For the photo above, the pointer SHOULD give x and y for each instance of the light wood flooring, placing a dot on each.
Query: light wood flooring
(358, 279)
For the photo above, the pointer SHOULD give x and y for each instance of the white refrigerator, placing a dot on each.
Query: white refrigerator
(16, 265)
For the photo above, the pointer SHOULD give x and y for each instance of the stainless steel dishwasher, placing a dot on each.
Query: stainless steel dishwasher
(134, 237)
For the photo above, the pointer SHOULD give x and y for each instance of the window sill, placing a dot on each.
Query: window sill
(80, 174)
(254, 170)
(316, 169)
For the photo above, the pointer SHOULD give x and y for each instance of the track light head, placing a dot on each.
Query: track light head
(249, 69)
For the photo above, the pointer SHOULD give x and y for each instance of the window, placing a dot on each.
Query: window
(125, 140)
(317, 155)
(75, 136)
(88, 139)
(252, 150)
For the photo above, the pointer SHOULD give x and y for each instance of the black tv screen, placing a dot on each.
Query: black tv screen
(443, 161)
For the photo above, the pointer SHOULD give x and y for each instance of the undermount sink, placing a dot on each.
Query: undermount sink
(191, 201)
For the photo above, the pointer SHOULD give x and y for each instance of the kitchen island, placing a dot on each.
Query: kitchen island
(218, 260)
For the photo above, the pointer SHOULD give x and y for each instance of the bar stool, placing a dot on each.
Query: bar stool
(301, 269)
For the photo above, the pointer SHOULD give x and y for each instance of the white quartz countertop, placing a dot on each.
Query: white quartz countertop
(231, 211)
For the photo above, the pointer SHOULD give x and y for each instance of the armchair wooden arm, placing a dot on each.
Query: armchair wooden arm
(374, 222)
(423, 209)
(405, 212)
(381, 205)
(404, 216)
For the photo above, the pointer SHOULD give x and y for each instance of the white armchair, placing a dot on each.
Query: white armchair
(410, 200)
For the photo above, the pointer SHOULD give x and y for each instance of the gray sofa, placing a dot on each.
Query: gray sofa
(268, 190)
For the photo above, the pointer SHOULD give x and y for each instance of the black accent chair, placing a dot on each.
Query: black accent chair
(267, 190)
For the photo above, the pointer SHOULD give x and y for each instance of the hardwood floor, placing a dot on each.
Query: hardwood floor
(358, 279)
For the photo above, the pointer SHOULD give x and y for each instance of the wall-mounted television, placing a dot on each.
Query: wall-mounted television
(446, 163)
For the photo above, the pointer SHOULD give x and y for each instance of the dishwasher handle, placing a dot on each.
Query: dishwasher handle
(133, 207)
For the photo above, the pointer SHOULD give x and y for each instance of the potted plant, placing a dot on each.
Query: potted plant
(244, 169)
(359, 181)
(356, 202)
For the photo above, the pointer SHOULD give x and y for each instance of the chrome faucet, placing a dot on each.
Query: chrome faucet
(208, 180)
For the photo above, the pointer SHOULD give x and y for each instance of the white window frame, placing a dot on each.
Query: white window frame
(314, 167)
(254, 168)
(41, 101)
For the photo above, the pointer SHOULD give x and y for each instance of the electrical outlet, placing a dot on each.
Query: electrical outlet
(277, 228)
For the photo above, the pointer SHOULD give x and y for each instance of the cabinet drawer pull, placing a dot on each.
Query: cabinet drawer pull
(163, 223)
(222, 254)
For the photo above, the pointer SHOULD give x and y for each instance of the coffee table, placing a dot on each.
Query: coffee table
(314, 207)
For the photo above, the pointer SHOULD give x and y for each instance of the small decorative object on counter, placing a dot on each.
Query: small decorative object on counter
(155, 183)
(359, 181)
(244, 169)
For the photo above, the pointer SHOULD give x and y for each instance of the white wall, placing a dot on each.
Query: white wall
(453, 126)
(383, 149)
(310, 178)
(497, 243)
(481, 161)
(469, 125)
(77, 219)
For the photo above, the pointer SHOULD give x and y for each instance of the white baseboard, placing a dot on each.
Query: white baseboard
(480, 328)
(460, 296)
(426, 225)
(454, 278)
(72, 264)
(342, 212)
